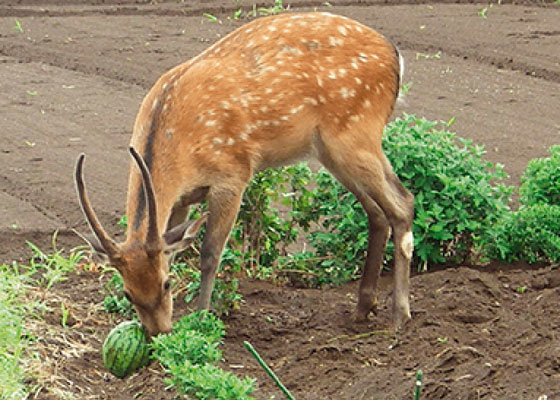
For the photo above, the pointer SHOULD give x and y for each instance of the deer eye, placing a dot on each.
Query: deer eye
(167, 285)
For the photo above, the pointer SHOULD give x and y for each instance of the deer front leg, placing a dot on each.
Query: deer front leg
(223, 207)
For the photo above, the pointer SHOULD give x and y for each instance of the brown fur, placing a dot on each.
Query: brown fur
(276, 90)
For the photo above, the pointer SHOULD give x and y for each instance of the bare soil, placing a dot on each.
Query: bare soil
(72, 79)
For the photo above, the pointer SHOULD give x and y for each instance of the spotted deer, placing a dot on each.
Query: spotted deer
(276, 90)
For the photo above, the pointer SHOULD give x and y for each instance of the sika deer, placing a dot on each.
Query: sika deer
(276, 90)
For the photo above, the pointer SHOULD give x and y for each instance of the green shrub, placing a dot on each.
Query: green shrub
(532, 232)
(457, 193)
(540, 182)
(529, 234)
(458, 197)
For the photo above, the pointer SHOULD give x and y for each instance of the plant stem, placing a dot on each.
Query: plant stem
(418, 385)
(259, 359)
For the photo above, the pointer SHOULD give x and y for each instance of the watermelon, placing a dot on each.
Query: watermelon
(126, 349)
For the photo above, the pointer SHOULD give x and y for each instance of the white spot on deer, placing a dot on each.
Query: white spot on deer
(269, 68)
(297, 109)
(280, 62)
(272, 28)
(342, 72)
(319, 81)
(169, 133)
(264, 109)
(332, 75)
(165, 106)
(355, 65)
(284, 118)
(359, 28)
(322, 99)
(374, 56)
(407, 245)
(225, 105)
(355, 118)
(155, 104)
(342, 30)
(286, 73)
(363, 57)
(164, 86)
(367, 87)
(310, 100)
(210, 123)
(217, 141)
(344, 93)
(230, 141)
(367, 104)
(268, 90)
(243, 136)
(335, 41)
(358, 80)
(381, 65)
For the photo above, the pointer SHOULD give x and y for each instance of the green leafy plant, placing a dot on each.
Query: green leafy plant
(225, 295)
(532, 232)
(529, 234)
(13, 338)
(115, 301)
(53, 268)
(277, 8)
(190, 353)
(208, 382)
(458, 195)
(540, 183)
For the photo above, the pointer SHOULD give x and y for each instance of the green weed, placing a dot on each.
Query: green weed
(18, 26)
(53, 268)
(14, 339)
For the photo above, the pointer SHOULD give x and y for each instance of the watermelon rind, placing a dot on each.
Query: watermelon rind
(126, 349)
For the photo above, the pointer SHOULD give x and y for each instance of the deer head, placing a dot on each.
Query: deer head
(143, 263)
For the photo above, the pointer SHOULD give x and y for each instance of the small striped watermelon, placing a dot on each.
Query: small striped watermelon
(126, 349)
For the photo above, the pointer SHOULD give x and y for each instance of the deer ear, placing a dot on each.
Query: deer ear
(100, 254)
(179, 237)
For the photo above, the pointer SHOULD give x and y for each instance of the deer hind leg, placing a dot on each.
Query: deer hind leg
(362, 167)
(223, 206)
(379, 231)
